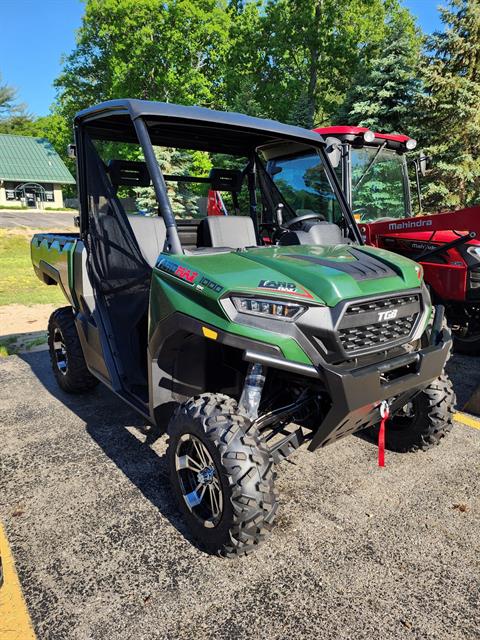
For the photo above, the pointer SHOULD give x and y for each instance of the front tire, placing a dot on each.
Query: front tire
(66, 355)
(222, 475)
(423, 422)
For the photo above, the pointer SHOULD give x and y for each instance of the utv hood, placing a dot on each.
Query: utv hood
(325, 275)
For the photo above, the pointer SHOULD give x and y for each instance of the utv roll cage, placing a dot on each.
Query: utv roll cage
(194, 128)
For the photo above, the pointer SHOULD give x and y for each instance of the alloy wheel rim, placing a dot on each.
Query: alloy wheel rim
(199, 481)
(60, 352)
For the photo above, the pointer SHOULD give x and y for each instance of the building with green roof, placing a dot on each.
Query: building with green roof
(31, 172)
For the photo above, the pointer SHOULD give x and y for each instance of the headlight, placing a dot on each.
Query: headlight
(269, 308)
(368, 136)
(474, 251)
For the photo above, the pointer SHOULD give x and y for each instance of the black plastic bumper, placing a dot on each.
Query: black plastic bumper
(356, 394)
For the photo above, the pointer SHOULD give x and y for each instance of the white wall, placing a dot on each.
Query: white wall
(58, 195)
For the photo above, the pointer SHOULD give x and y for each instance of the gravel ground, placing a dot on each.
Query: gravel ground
(358, 552)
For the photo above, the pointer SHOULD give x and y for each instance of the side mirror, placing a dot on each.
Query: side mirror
(422, 163)
(72, 151)
(334, 151)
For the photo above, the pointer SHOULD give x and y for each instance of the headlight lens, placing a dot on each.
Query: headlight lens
(474, 251)
(269, 308)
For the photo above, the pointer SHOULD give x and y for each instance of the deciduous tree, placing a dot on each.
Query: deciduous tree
(168, 50)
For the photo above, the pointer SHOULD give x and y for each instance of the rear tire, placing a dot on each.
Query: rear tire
(466, 346)
(237, 468)
(424, 422)
(66, 355)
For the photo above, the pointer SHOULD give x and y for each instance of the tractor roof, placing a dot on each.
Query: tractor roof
(189, 127)
(355, 135)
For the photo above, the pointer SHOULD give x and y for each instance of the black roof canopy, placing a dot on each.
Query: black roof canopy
(189, 127)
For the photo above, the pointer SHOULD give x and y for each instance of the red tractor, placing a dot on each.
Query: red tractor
(373, 171)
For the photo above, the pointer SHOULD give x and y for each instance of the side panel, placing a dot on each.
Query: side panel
(52, 259)
(61, 259)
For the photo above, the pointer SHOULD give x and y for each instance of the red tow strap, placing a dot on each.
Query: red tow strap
(384, 413)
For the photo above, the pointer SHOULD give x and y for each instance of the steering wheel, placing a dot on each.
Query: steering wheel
(306, 216)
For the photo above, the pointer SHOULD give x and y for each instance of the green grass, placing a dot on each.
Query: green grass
(13, 206)
(18, 344)
(18, 282)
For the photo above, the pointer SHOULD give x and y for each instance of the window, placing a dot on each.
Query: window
(379, 184)
(304, 185)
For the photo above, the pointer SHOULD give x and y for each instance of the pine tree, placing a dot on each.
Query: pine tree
(386, 87)
(450, 122)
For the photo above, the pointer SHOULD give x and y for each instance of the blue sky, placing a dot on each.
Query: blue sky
(39, 32)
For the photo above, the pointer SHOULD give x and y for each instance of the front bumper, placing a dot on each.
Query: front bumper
(357, 394)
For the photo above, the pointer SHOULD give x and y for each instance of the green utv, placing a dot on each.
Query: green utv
(240, 350)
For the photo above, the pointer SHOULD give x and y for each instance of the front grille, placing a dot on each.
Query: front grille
(363, 327)
(380, 305)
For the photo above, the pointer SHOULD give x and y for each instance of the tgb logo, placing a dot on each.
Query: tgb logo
(387, 315)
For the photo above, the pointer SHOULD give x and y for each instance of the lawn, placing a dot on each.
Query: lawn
(18, 282)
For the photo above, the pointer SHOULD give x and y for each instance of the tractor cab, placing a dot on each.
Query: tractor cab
(373, 171)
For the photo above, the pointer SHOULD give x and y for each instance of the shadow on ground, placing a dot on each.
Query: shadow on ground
(464, 372)
(112, 425)
(108, 421)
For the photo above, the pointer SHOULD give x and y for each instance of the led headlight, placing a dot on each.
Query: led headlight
(411, 144)
(269, 308)
(474, 251)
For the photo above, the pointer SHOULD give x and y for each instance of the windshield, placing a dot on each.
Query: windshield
(379, 184)
(304, 185)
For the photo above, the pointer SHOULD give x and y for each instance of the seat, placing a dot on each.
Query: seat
(236, 232)
(320, 233)
(150, 232)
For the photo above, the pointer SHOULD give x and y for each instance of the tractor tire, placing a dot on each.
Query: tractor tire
(222, 475)
(465, 345)
(424, 422)
(66, 355)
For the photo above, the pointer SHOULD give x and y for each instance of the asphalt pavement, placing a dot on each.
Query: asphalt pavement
(37, 220)
(357, 552)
